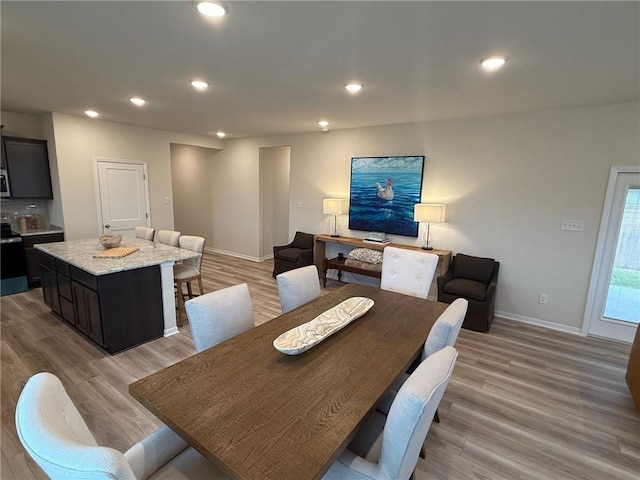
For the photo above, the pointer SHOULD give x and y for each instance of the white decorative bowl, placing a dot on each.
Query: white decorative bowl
(110, 241)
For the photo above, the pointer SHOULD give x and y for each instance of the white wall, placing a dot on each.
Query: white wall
(508, 181)
(191, 186)
(22, 125)
(78, 140)
(274, 198)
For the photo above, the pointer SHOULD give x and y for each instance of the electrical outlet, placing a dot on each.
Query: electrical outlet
(542, 298)
(572, 225)
(300, 204)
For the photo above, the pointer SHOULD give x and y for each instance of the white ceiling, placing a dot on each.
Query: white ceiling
(279, 67)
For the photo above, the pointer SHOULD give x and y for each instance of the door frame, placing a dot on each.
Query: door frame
(96, 184)
(600, 244)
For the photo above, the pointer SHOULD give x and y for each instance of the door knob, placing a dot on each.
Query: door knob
(107, 226)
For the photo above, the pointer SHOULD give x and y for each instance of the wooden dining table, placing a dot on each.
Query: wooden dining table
(259, 414)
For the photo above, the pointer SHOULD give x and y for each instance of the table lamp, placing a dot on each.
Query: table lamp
(334, 206)
(428, 213)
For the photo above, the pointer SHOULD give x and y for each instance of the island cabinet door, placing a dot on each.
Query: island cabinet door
(87, 311)
(50, 287)
(80, 311)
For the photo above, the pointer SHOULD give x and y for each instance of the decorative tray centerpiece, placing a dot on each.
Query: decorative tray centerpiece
(303, 337)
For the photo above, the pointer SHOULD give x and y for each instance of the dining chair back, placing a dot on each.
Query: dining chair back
(220, 315)
(297, 287)
(444, 332)
(387, 447)
(187, 271)
(56, 437)
(145, 233)
(408, 271)
(169, 237)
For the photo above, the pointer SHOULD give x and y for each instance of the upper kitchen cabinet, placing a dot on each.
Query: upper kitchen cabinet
(28, 167)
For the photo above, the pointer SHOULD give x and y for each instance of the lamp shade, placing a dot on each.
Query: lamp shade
(334, 206)
(429, 212)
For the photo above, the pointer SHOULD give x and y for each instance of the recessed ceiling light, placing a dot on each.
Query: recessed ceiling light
(221, 134)
(493, 63)
(138, 101)
(323, 123)
(91, 113)
(199, 85)
(212, 9)
(353, 87)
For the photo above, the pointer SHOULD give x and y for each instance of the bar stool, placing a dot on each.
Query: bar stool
(188, 270)
(169, 237)
(145, 233)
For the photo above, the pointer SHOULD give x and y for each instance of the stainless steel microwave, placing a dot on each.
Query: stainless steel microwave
(4, 184)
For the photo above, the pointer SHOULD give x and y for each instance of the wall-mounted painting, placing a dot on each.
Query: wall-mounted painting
(383, 193)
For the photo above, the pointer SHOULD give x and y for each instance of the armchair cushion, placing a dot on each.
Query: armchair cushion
(473, 268)
(298, 253)
(479, 288)
(466, 288)
(303, 241)
(290, 254)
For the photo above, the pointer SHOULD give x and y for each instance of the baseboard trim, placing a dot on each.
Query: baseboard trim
(539, 323)
(233, 254)
(170, 331)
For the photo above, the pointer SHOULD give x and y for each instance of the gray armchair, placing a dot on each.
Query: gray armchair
(298, 253)
(475, 279)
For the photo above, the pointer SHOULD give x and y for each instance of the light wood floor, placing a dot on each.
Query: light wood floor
(523, 403)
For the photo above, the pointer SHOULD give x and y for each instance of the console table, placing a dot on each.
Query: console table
(337, 263)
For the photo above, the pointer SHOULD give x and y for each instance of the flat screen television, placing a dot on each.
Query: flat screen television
(383, 193)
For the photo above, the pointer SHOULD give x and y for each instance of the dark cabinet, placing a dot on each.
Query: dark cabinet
(50, 286)
(33, 258)
(27, 162)
(3, 165)
(116, 311)
(87, 311)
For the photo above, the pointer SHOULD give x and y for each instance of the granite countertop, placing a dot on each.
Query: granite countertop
(79, 253)
(49, 229)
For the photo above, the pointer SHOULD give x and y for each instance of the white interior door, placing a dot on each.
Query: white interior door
(615, 292)
(123, 197)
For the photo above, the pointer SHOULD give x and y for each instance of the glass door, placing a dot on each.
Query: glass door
(623, 296)
(613, 306)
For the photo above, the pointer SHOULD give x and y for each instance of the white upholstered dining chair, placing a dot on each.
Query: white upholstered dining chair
(297, 287)
(169, 237)
(217, 316)
(387, 447)
(145, 233)
(56, 437)
(188, 270)
(443, 333)
(408, 271)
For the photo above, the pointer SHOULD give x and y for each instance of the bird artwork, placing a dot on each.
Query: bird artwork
(385, 193)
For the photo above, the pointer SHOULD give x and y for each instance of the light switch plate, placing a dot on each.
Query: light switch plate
(572, 225)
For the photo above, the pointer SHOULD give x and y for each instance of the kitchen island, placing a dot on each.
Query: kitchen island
(117, 303)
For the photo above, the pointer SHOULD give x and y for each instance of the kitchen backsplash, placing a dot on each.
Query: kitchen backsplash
(25, 213)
